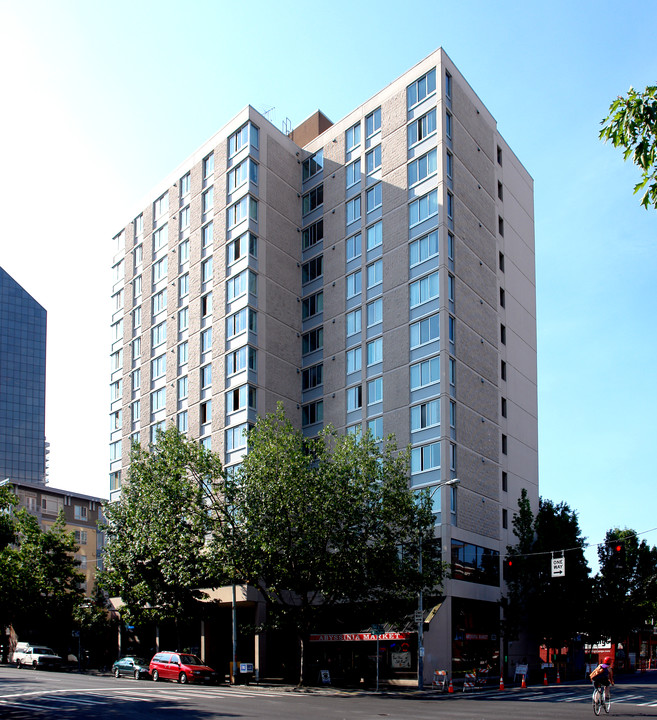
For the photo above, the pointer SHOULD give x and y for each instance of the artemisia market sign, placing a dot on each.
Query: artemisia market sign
(355, 637)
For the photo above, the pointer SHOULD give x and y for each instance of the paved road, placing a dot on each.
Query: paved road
(27, 695)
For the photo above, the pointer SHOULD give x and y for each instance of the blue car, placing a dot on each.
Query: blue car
(130, 665)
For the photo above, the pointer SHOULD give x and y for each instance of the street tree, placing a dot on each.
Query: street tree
(552, 610)
(626, 586)
(632, 125)
(316, 523)
(155, 557)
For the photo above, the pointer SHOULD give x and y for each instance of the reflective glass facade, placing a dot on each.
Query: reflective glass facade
(22, 383)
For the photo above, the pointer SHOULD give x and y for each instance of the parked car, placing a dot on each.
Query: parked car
(39, 656)
(181, 667)
(19, 651)
(130, 665)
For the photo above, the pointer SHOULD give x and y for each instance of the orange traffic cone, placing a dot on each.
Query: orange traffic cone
(501, 682)
(558, 678)
(450, 689)
(545, 682)
(523, 684)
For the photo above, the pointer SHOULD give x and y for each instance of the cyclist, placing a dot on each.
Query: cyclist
(603, 676)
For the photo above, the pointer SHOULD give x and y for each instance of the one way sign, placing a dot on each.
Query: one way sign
(558, 566)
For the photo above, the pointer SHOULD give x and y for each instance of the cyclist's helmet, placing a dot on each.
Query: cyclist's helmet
(608, 660)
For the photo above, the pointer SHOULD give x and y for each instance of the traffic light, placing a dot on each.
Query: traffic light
(618, 554)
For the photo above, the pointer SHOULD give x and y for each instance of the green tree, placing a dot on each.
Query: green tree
(312, 523)
(156, 532)
(626, 586)
(552, 610)
(632, 125)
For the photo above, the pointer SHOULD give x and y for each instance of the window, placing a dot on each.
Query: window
(184, 218)
(451, 326)
(79, 512)
(505, 481)
(422, 128)
(503, 334)
(183, 285)
(354, 360)
(502, 369)
(425, 415)
(373, 123)
(503, 407)
(206, 305)
(207, 201)
(450, 246)
(505, 444)
(424, 248)
(240, 321)
(183, 387)
(352, 137)
(139, 226)
(448, 86)
(353, 210)
(312, 413)
(158, 366)
(238, 360)
(449, 165)
(238, 140)
(206, 340)
(425, 373)
(183, 252)
(135, 411)
(236, 437)
(374, 312)
(374, 235)
(374, 274)
(205, 412)
(373, 160)
(116, 420)
(158, 399)
(136, 287)
(312, 234)
(505, 518)
(499, 155)
(354, 429)
(425, 457)
(312, 377)
(115, 480)
(312, 200)
(185, 186)
(80, 537)
(206, 376)
(448, 124)
(421, 88)
(475, 564)
(246, 206)
(312, 165)
(117, 301)
(501, 261)
(375, 391)
(353, 247)
(238, 398)
(353, 284)
(451, 284)
(500, 190)
(354, 398)
(376, 428)
(353, 173)
(240, 284)
(313, 340)
(118, 271)
(500, 225)
(424, 289)
(116, 360)
(425, 331)
(423, 208)
(237, 176)
(181, 421)
(502, 298)
(450, 205)
(373, 197)
(160, 269)
(117, 330)
(311, 270)
(159, 301)
(183, 353)
(208, 166)
(207, 232)
(238, 248)
(161, 206)
(159, 334)
(452, 373)
(452, 415)
(354, 322)
(312, 305)
(375, 351)
(423, 167)
(160, 238)
(136, 379)
(136, 348)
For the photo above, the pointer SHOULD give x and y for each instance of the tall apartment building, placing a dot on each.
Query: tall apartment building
(374, 273)
(22, 384)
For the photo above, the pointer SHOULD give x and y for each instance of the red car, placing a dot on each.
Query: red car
(181, 667)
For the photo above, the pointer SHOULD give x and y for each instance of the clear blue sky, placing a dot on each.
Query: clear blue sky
(102, 100)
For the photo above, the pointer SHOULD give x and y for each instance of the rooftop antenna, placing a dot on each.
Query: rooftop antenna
(267, 112)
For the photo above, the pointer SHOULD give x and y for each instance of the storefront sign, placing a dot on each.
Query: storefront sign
(476, 636)
(400, 661)
(356, 637)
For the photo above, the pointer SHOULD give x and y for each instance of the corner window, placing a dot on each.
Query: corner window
(421, 88)
(373, 123)
(313, 165)
(312, 200)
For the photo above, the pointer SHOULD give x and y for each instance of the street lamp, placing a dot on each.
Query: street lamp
(420, 606)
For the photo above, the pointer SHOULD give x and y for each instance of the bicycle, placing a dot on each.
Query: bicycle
(601, 699)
